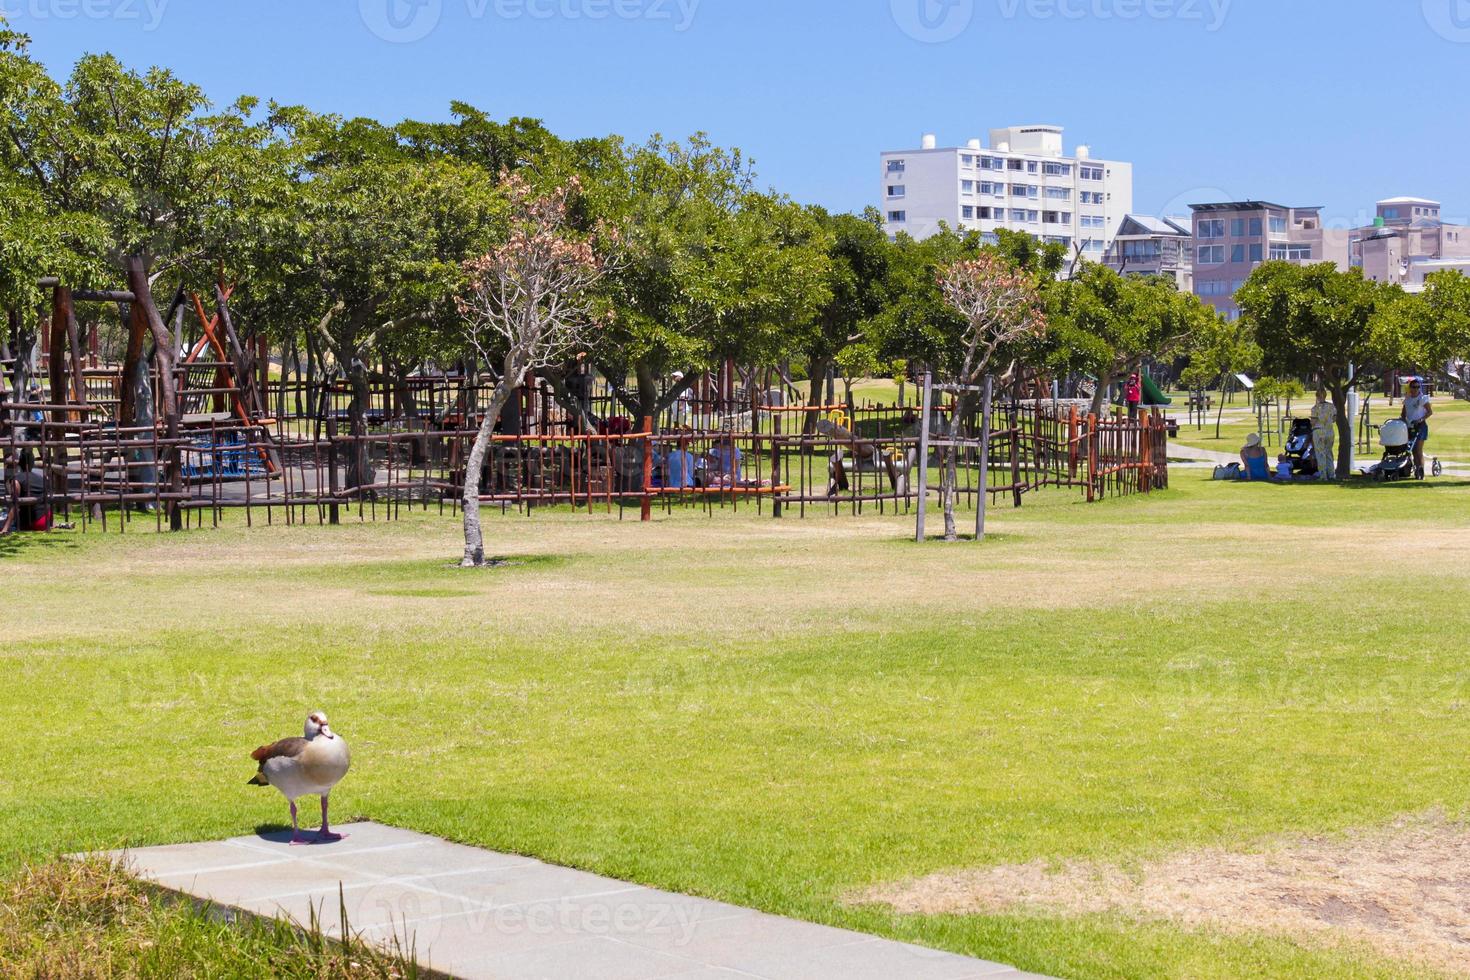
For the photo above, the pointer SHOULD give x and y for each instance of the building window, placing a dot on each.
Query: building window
(1278, 226)
(967, 160)
(967, 187)
(1017, 165)
(1237, 253)
(1090, 173)
(898, 217)
(1059, 193)
(1031, 166)
(1237, 227)
(1094, 221)
(1255, 227)
(895, 166)
(1211, 254)
(895, 190)
(990, 238)
(1291, 253)
(1057, 170)
(1050, 217)
(1092, 245)
(968, 212)
(1256, 252)
(1210, 228)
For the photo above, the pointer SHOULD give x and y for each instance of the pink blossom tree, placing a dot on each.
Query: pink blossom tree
(999, 306)
(527, 304)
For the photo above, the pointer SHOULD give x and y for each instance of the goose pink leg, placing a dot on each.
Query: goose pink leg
(325, 835)
(296, 837)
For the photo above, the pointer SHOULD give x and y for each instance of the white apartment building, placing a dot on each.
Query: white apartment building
(1022, 182)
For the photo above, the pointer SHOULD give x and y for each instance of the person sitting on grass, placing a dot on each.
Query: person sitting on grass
(679, 467)
(724, 462)
(1253, 458)
(22, 479)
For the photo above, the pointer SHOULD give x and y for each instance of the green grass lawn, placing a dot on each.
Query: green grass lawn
(779, 714)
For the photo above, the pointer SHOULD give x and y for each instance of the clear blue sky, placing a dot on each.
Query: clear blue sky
(1208, 98)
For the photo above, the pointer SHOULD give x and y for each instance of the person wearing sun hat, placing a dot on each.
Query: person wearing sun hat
(1253, 458)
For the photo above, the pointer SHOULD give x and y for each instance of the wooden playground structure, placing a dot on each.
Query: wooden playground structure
(115, 452)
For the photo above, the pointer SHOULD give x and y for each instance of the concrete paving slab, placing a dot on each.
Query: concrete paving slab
(472, 913)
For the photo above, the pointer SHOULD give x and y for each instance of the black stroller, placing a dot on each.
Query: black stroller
(1301, 451)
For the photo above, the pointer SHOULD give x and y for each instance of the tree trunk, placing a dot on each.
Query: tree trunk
(1220, 413)
(817, 373)
(288, 363)
(648, 394)
(1345, 434)
(137, 270)
(359, 465)
(474, 538)
(569, 403)
(1104, 390)
(16, 346)
(949, 474)
(407, 406)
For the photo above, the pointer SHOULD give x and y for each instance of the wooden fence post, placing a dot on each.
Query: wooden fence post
(1091, 457)
(647, 467)
(982, 499)
(926, 401)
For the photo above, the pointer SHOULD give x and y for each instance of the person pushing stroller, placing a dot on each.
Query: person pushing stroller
(1416, 414)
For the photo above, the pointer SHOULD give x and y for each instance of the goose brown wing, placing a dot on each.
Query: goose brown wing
(287, 748)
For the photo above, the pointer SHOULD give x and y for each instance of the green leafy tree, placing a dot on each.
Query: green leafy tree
(374, 255)
(1106, 324)
(711, 269)
(860, 259)
(1316, 322)
(1435, 327)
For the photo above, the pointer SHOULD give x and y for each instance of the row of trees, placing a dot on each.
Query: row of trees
(348, 240)
(1324, 326)
(373, 249)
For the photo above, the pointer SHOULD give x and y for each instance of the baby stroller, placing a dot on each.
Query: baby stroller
(1301, 451)
(1398, 453)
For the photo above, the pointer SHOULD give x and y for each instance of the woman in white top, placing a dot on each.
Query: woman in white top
(1416, 414)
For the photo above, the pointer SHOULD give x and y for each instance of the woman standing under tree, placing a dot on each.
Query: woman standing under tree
(1324, 435)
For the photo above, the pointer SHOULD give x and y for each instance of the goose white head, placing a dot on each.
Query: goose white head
(316, 724)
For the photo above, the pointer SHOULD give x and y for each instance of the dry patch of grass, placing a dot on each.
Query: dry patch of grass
(1403, 889)
(87, 919)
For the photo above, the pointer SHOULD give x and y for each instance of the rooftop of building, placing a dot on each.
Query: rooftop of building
(1150, 225)
(1409, 200)
(1252, 206)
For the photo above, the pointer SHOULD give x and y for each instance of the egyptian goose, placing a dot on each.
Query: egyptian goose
(308, 766)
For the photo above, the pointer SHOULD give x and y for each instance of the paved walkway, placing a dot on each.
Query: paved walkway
(473, 913)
